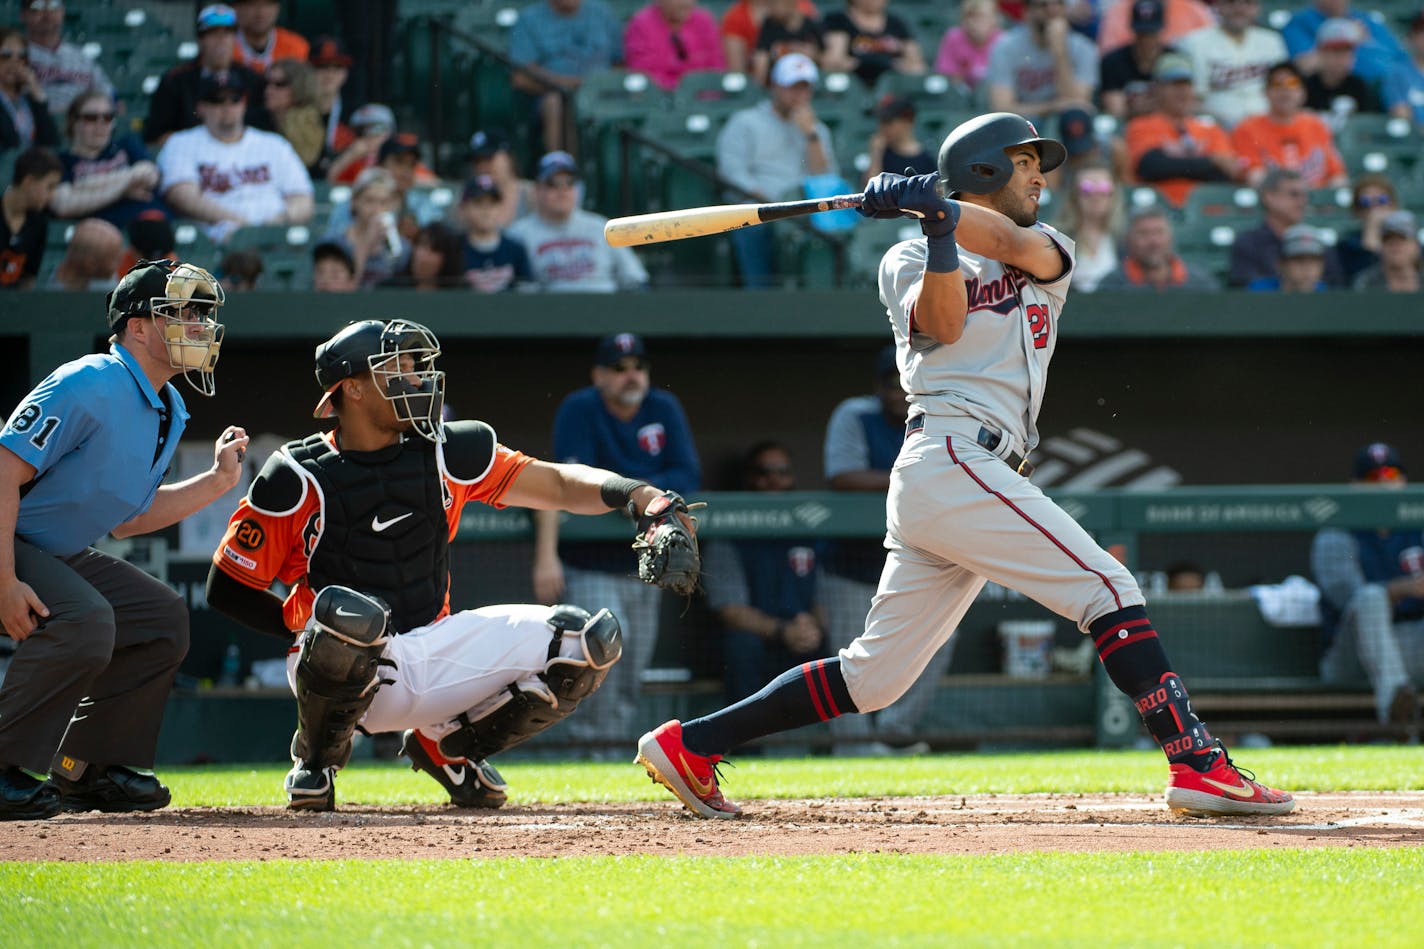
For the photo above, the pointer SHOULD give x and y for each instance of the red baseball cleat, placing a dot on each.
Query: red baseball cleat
(690, 776)
(1223, 790)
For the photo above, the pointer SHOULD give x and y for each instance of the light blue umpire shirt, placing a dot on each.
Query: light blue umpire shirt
(91, 430)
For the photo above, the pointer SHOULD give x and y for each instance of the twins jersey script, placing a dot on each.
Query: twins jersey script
(277, 531)
(251, 176)
(998, 369)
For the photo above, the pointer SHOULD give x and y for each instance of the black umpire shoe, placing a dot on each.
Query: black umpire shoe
(469, 783)
(25, 797)
(113, 788)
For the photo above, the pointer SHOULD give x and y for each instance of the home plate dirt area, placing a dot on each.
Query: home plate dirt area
(979, 824)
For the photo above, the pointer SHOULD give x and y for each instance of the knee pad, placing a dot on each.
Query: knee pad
(533, 704)
(336, 673)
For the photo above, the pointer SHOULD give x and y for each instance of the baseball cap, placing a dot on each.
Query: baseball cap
(328, 51)
(611, 350)
(1302, 240)
(1377, 461)
(219, 16)
(793, 68)
(225, 86)
(373, 117)
(402, 143)
(1148, 16)
(484, 144)
(892, 106)
(478, 187)
(151, 234)
(1172, 67)
(1338, 32)
(1075, 128)
(1400, 223)
(556, 163)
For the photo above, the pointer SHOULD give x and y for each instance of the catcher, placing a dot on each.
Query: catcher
(357, 524)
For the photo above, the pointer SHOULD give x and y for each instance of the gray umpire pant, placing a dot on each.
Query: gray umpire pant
(91, 684)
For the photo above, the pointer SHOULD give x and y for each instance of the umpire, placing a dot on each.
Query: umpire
(99, 641)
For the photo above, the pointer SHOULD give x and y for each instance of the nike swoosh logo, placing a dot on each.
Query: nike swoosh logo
(701, 788)
(456, 777)
(1235, 790)
(341, 612)
(379, 525)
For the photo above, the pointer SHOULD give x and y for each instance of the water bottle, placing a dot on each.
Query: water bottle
(231, 666)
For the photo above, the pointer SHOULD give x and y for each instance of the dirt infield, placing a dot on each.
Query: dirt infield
(940, 825)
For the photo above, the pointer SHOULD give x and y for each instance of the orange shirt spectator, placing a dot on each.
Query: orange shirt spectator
(260, 41)
(1170, 147)
(1289, 136)
(1183, 16)
(740, 25)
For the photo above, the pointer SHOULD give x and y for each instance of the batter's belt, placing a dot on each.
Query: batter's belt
(989, 437)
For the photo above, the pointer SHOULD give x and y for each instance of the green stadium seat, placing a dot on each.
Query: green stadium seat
(192, 244)
(1221, 203)
(606, 101)
(868, 243)
(715, 93)
(931, 93)
(1381, 144)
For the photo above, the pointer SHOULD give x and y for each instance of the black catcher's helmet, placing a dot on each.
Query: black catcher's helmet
(400, 355)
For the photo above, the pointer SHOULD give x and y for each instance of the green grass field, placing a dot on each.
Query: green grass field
(1271, 897)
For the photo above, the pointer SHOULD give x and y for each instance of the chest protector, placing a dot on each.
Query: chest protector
(384, 530)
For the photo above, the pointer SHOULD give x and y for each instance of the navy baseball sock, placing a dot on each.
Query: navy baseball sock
(809, 693)
(1132, 655)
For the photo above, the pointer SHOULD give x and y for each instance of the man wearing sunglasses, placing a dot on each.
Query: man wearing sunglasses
(62, 68)
(1372, 601)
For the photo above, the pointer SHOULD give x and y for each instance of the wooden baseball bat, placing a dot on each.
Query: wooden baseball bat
(699, 222)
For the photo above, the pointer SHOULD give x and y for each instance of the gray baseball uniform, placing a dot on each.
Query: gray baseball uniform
(958, 513)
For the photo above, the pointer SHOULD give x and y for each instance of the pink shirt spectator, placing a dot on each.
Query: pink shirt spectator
(959, 58)
(664, 50)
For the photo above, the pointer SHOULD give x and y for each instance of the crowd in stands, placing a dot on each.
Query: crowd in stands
(1179, 117)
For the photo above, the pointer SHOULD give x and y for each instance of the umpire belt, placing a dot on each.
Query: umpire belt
(988, 437)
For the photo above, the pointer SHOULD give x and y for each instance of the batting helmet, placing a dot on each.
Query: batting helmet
(413, 384)
(973, 159)
(186, 298)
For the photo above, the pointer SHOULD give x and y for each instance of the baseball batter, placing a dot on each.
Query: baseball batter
(974, 330)
(357, 524)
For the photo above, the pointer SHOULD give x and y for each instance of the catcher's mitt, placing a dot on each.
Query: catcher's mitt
(667, 550)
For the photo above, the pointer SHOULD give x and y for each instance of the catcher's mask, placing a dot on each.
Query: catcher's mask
(400, 355)
(185, 298)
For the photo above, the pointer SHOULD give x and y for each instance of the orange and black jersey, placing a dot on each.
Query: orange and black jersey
(276, 528)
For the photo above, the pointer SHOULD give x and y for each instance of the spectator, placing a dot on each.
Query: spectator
(173, 106)
(619, 418)
(767, 150)
(1403, 87)
(1256, 254)
(863, 439)
(559, 42)
(894, 146)
(964, 49)
(1301, 268)
(92, 259)
(24, 109)
(1133, 61)
(490, 155)
(1230, 61)
(333, 270)
(493, 261)
(371, 236)
(104, 176)
(436, 262)
(1288, 136)
(260, 41)
(400, 156)
(740, 25)
(1372, 599)
(668, 38)
(1093, 216)
(565, 243)
(150, 237)
(1378, 52)
(1372, 200)
(866, 39)
(1184, 576)
(785, 30)
(372, 125)
(1042, 67)
(62, 68)
(24, 225)
(1181, 18)
(241, 269)
(225, 174)
(1150, 260)
(766, 592)
(331, 65)
(1334, 86)
(289, 96)
(1172, 149)
(1398, 267)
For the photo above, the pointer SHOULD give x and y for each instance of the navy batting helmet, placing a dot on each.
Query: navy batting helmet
(973, 159)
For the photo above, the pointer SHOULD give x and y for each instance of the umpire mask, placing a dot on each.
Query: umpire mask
(183, 300)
